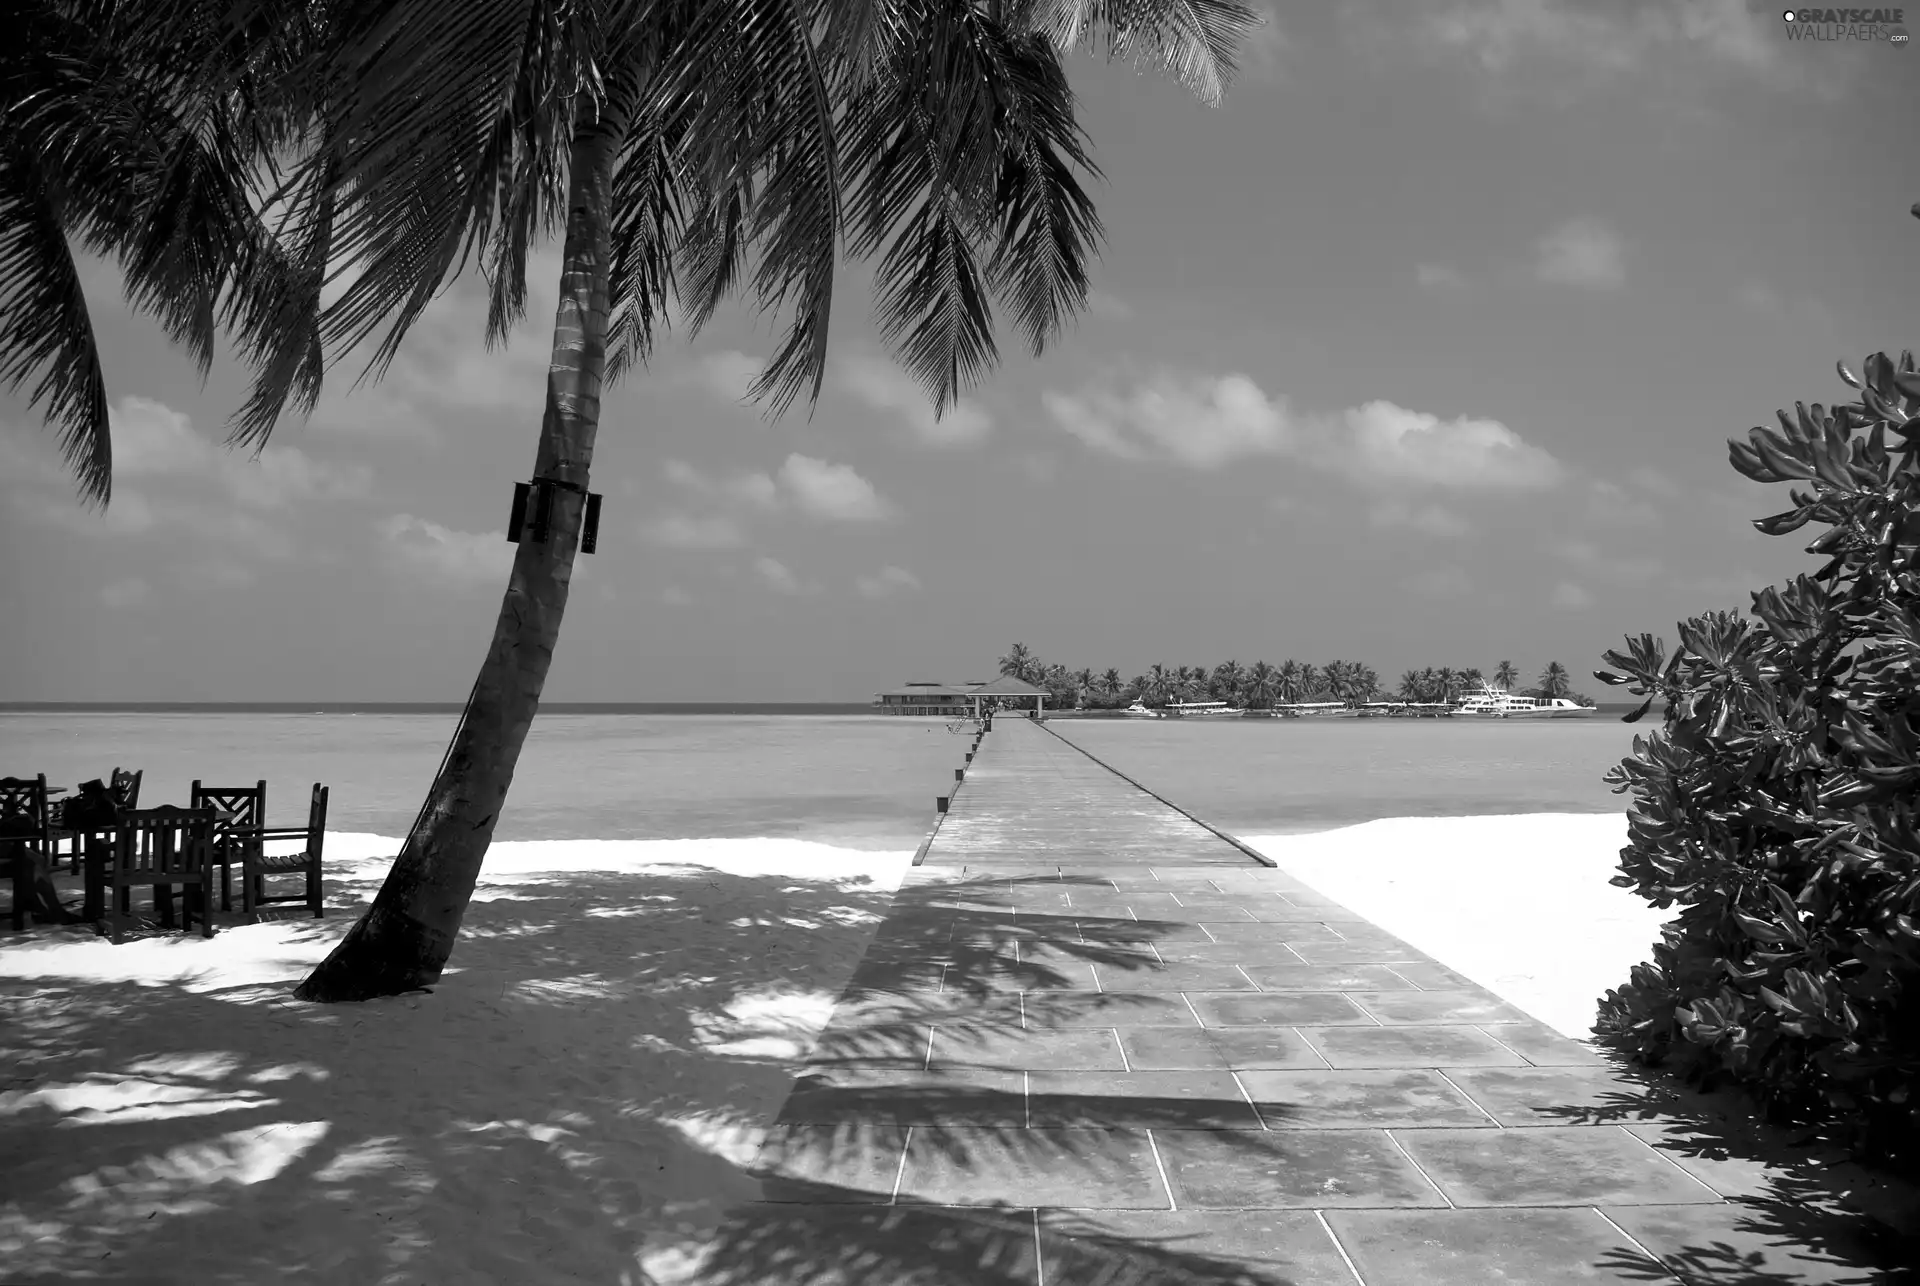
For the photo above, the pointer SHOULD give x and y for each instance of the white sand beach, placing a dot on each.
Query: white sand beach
(1520, 904)
(578, 1094)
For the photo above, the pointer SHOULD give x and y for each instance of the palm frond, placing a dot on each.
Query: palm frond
(648, 224)
(45, 325)
(762, 132)
(1193, 40)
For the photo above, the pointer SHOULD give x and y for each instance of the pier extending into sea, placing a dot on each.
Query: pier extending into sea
(1097, 1042)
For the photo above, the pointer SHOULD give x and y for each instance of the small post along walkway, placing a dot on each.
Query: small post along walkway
(1095, 1042)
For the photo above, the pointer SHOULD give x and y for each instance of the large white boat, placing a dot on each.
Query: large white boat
(1497, 703)
(1204, 710)
(1139, 711)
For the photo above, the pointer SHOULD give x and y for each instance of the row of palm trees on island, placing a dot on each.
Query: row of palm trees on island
(1263, 685)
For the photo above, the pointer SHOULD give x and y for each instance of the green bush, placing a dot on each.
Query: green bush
(1777, 806)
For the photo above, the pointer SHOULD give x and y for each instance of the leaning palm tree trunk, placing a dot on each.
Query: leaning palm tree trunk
(406, 938)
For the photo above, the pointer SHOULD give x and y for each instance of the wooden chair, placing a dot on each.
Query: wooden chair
(257, 864)
(125, 787)
(23, 828)
(248, 806)
(159, 848)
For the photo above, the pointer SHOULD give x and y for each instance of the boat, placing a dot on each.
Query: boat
(1497, 703)
(1204, 710)
(1138, 711)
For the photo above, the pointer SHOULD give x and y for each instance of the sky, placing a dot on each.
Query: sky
(1422, 349)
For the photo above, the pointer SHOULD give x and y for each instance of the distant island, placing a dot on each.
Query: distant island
(1262, 685)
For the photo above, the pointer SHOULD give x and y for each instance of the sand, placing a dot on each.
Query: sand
(1521, 904)
(578, 1096)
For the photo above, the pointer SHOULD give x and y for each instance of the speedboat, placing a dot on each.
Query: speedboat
(1138, 711)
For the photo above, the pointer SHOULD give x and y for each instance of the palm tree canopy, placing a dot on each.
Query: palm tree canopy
(400, 141)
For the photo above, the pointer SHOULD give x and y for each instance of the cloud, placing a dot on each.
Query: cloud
(1108, 307)
(805, 484)
(728, 373)
(126, 593)
(1203, 422)
(444, 556)
(1571, 597)
(1655, 481)
(778, 576)
(1615, 40)
(1803, 316)
(1593, 563)
(1209, 422)
(885, 387)
(1609, 502)
(152, 440)
(1440, 276)
(889, 580)
(1428, 520)
(685, 531)
(1383, 442)
(1264, 48)
(1581, 252)
(831, 491)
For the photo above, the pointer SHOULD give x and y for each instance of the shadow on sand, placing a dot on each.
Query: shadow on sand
(581, 1100)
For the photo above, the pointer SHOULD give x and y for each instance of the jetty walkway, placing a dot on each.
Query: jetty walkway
(1095, 1042)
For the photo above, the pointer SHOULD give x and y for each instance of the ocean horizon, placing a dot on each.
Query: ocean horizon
(847, 777)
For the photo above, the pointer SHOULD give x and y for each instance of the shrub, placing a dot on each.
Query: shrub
(1777, 806)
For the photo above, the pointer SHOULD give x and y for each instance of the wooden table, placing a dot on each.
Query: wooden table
(98, 846)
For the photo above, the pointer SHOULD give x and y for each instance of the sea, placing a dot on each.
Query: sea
(830, 774)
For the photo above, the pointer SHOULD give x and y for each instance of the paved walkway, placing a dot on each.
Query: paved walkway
(1095, 1043)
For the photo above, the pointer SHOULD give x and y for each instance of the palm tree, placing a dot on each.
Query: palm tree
(1261, 681)
(1365, 683)
(675, 146)
(1505, 675)
(1310, 681)
(1228, 679)
(1018, 663)
(1554, 680)
(1110, 686)
(1161, 685)
(1411, 688)
(136, 132)
(1286, 682)
(1471, 680)
(1447, 683)
(1082, 688)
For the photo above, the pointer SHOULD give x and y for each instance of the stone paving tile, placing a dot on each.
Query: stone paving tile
(1108, 1009)
(1472, 1247)
(1103, 1169)
(1321, 1100)
(1091, 1050)
(1290, 931)
(1522, 1096)
(1746, 1243)
(1410, 1047)
(1216, 1049)
(1298, 977)
(1171, 1100)
(1279, 1009)
(1574, 1165)
(1172, 977)
(1190, 1248)
(1320, 951)
(1249, 954)
(1541, 1044)
(1434, 977)
(1290, 1170)
(858, 1161)
(1434, 1007)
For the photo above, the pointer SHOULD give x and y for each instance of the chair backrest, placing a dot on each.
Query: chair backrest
(317, 819)
(164, 841)
(24, 798)
(248, 804)
(126, 787)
